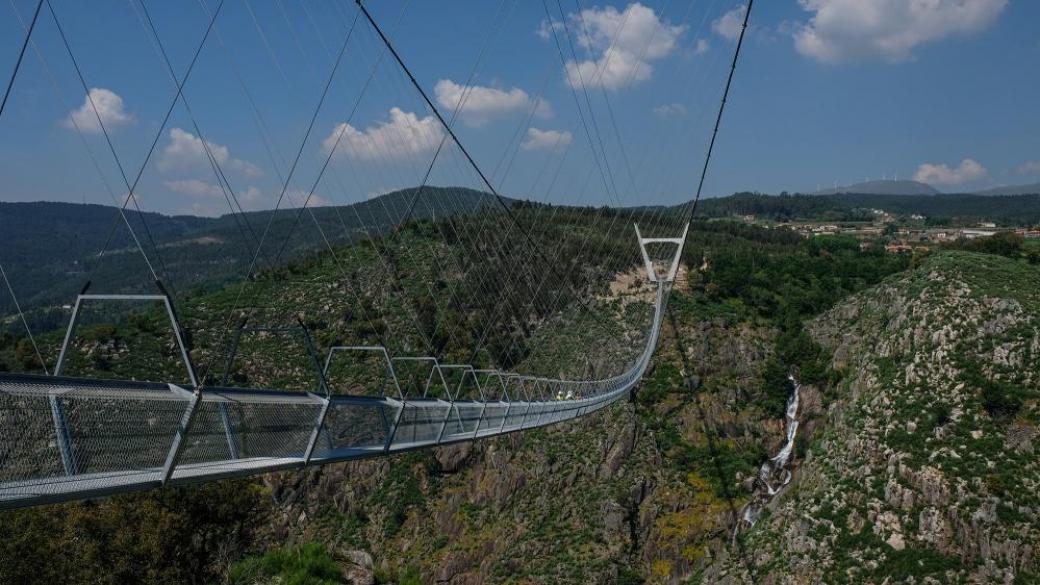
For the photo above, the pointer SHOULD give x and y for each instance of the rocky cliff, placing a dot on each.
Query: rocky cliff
(645, 489)
(925, 469)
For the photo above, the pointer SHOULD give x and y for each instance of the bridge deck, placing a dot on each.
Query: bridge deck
(69, 438)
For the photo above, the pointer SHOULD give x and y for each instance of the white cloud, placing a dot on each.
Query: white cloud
(850, 30)
(941, 174)
(672, 110)
(728, 25)
(185, 151)
(195, 188)
(109, 107)
(701, 47)
(205, 189)
(208, 200)
(1031, 167)
(405, 135)
(621, 55)
(297, 197)
(546, 28)
(545, 139)
(250, 195)
(480, 104)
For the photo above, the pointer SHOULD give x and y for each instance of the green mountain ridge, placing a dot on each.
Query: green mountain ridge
(50, 249)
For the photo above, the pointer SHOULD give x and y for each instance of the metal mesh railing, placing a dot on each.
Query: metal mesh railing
(68, 438)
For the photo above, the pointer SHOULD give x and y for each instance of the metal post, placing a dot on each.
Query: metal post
(68, 336)
(527, 398)
(404, 401)
(451, 406)
(309, 344)
(178, 331)
(229, 435)
(317, 431)
(232, 352)
(187, 420)
(61, 432)
(483, 401)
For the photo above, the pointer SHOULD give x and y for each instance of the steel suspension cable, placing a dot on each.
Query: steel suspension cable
(76, 127)
(598, 75)
(433, 108)
(21, 55)
(151, 150)
(656, 212)
(722, 108)
(288, 179)
(264, 133)
(3, 106)
(222, 180)
(421, 189)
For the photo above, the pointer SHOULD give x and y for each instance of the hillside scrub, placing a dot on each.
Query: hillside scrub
(645, 490)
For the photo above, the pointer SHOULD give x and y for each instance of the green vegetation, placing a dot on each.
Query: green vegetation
(50, 249)
(169, 536)
(1003, 244)
(553, 505)
(963, 210)
(307, 564)
(781, 279)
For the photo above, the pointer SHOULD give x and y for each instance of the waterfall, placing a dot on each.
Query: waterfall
(775, 469)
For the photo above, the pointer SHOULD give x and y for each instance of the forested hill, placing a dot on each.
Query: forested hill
(1008, 210)
(49, 250)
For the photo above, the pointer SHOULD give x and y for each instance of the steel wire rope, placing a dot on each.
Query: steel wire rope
(722, 109)
(497, 20)
(659, 209)
(598, 74)
(394, 276)
(452, 220)
(3, 106)
(364, 225)
(680, 128)
(461, 147)
(285, 186)
(655, 211)
(228, 192)
(131, 187)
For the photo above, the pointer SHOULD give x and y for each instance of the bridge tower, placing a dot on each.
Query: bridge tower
(672, 269)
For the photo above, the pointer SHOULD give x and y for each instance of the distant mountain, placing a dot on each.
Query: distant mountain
(49, 249)
(1031, 189)
(954, 209)
(884, 187)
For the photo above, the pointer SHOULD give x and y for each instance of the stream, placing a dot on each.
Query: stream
(775, 472)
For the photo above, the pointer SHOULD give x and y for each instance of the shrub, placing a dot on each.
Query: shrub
(307, 564)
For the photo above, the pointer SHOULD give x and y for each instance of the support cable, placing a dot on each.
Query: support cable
(25, 323)
(21, 55)
(289, 177)
(131, 187)
(3, 106)
(272, 151)
(221, 177)
(433, 108)
(722, 108)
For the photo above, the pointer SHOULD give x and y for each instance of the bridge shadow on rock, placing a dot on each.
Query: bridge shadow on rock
(711, 433)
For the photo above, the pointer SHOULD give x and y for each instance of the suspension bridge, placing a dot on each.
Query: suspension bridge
(65, 438)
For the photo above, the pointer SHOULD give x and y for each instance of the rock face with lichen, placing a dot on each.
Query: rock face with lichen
(634, 492)
(925, 469)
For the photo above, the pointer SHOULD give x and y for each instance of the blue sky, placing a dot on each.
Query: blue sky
(826, 91)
